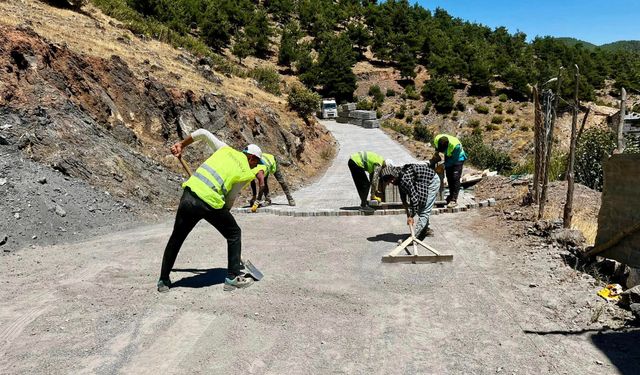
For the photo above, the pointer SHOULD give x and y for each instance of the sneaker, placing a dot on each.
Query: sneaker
(452, 204)
(367, 209)
(237, 282)
(164, 285)
(291, 202)
(267, 202)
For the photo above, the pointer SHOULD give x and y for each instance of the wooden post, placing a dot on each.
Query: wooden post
(549, 148)
(537, 144)
(568, 206)
(623, 107)
(584, 121)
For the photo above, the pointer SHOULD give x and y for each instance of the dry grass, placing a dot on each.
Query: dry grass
(583, 221)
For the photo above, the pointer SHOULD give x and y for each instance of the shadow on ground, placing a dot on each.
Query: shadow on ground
(201, 277)
(620, 346)
(388, 237)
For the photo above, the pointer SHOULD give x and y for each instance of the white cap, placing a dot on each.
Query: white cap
(253, 150)
(388, 162)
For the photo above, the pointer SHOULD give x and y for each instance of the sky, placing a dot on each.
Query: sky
(594, 21)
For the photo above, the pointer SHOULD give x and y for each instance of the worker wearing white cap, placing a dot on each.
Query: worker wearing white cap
(209, 194)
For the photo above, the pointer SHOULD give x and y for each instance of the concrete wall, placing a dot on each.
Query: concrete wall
(620, 208)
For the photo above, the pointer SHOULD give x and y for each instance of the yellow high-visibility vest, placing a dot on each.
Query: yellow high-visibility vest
(453, 142)
(367, 160)
(214, 179)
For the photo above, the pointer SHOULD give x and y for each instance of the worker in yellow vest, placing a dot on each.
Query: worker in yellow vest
(270, 165)
(454, 157)
(360, 164)
(209, 194)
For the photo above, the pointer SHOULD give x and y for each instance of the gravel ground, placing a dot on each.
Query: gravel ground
(326, 305)
(41, 206)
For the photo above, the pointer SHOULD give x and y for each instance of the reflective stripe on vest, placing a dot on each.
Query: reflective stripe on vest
(208, 182)
(363, 157)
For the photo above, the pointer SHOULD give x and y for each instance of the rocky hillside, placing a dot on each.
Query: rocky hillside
(84, 137)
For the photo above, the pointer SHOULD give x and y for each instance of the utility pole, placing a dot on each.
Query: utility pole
(568, 206)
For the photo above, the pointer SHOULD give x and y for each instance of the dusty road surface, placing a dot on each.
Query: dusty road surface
(326, 305)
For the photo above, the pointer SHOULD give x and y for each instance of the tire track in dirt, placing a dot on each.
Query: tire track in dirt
(181, 337)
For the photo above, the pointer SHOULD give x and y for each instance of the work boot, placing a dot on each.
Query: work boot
(164, 285)
(237, 282)
(267, 202)
(452, 204)
(426, 232)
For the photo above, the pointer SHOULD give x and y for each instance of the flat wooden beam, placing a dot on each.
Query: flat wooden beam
(417, 258)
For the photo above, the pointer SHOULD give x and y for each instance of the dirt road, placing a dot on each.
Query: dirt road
(326, 305)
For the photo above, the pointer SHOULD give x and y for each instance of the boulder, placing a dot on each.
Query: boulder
(568, 237)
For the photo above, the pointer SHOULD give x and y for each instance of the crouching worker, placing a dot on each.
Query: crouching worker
(360, 164)
(269, 164)
(418, 185)
(209, 194)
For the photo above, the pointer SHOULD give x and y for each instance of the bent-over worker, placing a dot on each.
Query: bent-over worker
(209, 194)
(270, 165)
(454, 157)
(360, 164)
(418, 185)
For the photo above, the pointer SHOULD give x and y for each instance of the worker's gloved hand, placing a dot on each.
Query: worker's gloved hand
(410, 221)
(254, 206)
(376, 198)
(439, 168)
(252, 201)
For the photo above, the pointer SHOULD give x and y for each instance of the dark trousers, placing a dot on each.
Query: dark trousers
(280, 178)
(454, 173)
(190, 211)
(361, 180)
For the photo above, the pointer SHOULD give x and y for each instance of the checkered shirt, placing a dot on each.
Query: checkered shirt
(414, 184)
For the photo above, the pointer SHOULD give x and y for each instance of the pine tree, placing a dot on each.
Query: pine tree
(334, 68)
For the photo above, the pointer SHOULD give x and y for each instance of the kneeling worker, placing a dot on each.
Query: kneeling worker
(269, 164)
(418, 185)
(209, 194)
(359, 164)
(454, 157)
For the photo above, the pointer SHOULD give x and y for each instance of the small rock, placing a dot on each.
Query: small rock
(16, 215)
(3, 181)
(3, 239)
(60, 211)
(599, 363)
(42, 180)
(533, 285)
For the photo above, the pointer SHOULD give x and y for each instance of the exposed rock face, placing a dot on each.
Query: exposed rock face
(92, 119)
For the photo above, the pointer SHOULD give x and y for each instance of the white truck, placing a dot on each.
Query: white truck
(328, 108)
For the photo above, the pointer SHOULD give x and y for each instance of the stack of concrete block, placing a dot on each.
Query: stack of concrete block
(365, 119)
(343, 112)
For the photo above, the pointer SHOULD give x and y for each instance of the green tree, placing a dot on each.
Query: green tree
(259, 32)
(406, 62)
(289, 49)
(303, 101)
(594, 147)
(242, 47)
(439, 92)
(334, 71)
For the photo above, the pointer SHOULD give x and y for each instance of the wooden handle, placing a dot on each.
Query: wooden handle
(413, 238)
(185, 165)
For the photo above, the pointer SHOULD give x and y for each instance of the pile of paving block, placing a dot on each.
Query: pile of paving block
(347, 113)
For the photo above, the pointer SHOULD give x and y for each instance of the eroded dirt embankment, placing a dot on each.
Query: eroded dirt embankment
(97, 132)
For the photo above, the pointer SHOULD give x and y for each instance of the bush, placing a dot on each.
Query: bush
(511, 110)
(411, 93)
(303, 100)
(378, 96)
(268, 79)
(490, 127)
(460, 106)
(497, 119)
(474, 123)
(401, 112)
(409, 119)
(391, 92)
(440, 93)
(595, 145)
(472, 101)
(484, 156)
(482, 109)
(498, 109)
(502, 97)
(423, 134)
(398, 127)
(508, 120)
(365, 105)
(427, 108)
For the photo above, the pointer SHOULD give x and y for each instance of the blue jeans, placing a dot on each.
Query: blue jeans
(424, 212)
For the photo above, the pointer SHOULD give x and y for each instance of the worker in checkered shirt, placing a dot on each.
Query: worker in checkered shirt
(418, 185)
